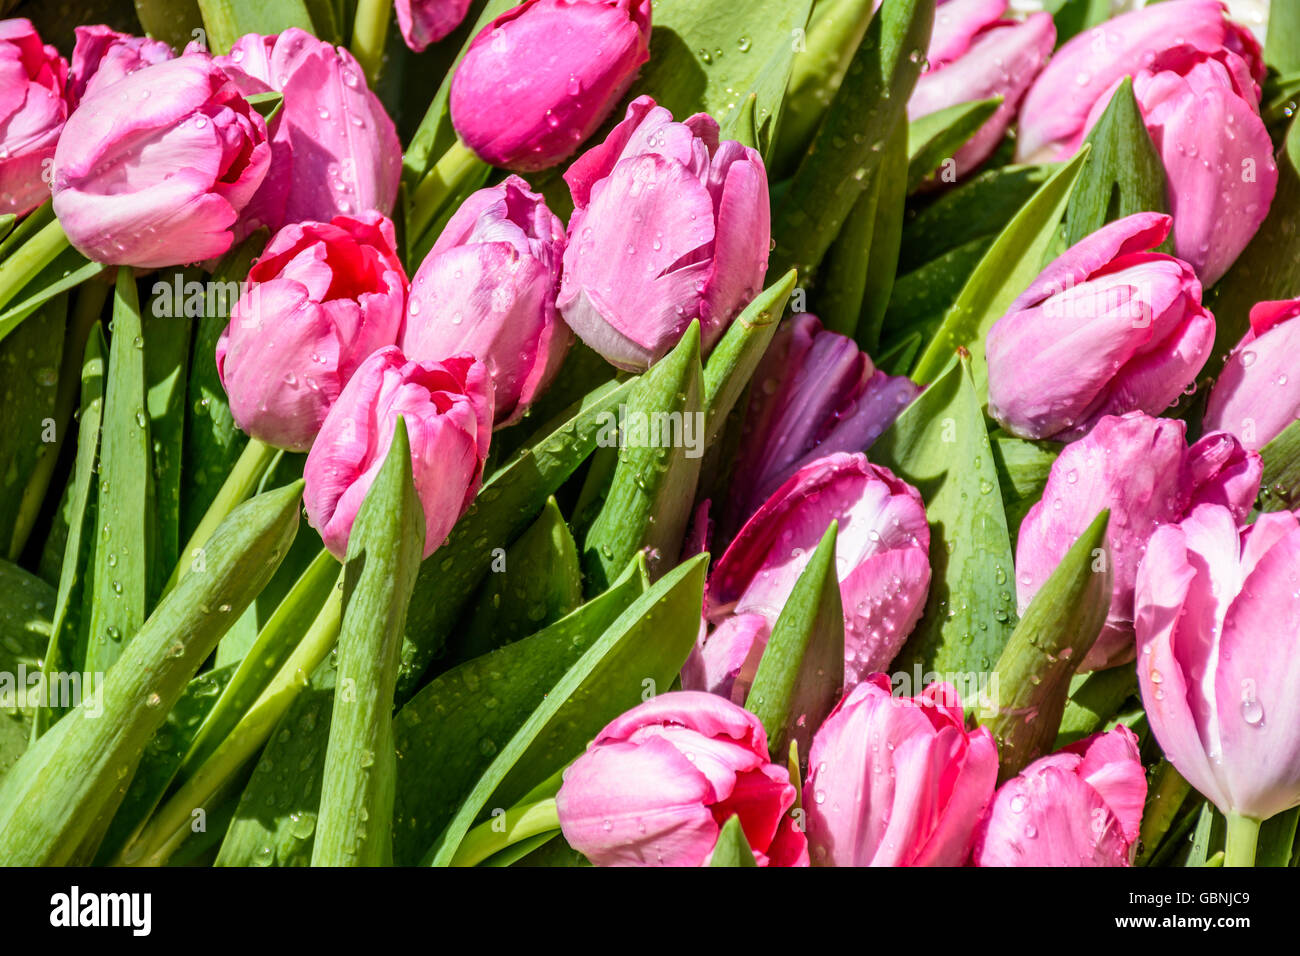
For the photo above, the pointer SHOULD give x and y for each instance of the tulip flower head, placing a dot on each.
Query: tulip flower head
(1257, 395)
(103, 56)
(32, 111)
(427, 21)
(657, 784)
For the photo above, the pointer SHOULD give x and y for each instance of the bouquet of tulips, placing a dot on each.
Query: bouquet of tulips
(678, 433)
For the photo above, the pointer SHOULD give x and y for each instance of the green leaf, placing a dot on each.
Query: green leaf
(1072, 17)
(125, 541)
(648, 643)
(1165, 797)
(1058, 628)
(1023, 467)
(741, 125)
(801, 673)
(6, 225)
(732, 849)
(449, 733)
(507, 503)
(539, 582)
(228, 20)
(1007, 269)
(79, 770)
(849, 144)
(1209, 835)
(172, 21)
(25, 629)
(268, 104)
(1094, 699)
(1276, 845)
(1282, 43)
(356, 808)
(1123, 174)
(1279, 490)
(938, 444)
(920, 299)
(661, 442)
(935, 137)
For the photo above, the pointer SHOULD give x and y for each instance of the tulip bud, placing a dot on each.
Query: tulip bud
(1081, 806)
(103, 56)
(1217, 616)
(488, 287)
(1107, 328)
(657, 784)
(320, 300)
(1142, 470)
(669, 226)
(881, 558)
(1257, 395)
(336, 149)
(156, 169)
(1000, 58)
(447, 406)
(32, 111)
(897, 781)
(540, 78)
(816, 393)
(427, 21)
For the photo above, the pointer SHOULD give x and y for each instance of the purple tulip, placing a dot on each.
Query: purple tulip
(320, 300)
(1257, 394)
(540, 78)
(815, 393)
(157, 168)
(881, 559)
(427, 21)
(103, 56)
(32, 111)
(1218, 612)
(488, 287)
(447, 406)
(1142, 470)
(336, 149)
(1107, 328)
(669, 226)
(998, 58)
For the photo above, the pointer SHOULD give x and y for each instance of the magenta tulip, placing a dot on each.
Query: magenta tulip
(669, 226)
(488, 287)
(1107, 328)
(1257, 395)
(337, 151)
(973, 58)
(103, 56)
(1142, 470)
(815, 393)
(32, 111)
(897, 781)
(1218, 630)
(1081, 806)
(540, 78)
(657, 784)
(157, 168)
(319, 301)
(881, 559)
(447, 407)
(427, 21)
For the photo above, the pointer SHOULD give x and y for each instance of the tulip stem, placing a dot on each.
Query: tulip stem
(1243, 834)
(447, 176)
(26, 262)
(369, 34)
(156, 841)
(506, 829)
(239, 484)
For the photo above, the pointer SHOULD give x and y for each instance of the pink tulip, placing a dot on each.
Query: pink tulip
(337, 151)
(657, 784)
(540, 78)
(881, 559)
(319, 301)
(1142, 470)
(1218, 614)
(427, 21)
(669, 226)
(897, 781)
(998, 58)
(1257, 395)
(157, 168)
(32, 111)
(488, 287)
(815, 393)
(447, 406)
(103, 56)
(1081, 806)
(1107, 328)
